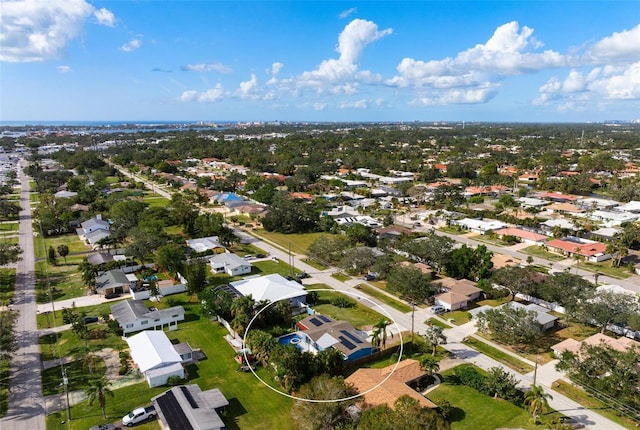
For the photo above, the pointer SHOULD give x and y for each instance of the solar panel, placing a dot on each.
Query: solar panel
(189, 397)
(323, 318)
(173, 413)
(351, 336)
(346, 343)
(315, 322)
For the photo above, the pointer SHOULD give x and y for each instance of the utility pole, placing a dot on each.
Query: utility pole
(413, 310)
(65, 382)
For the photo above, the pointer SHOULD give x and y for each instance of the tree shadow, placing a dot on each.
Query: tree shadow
(456, 414)
(232, 412)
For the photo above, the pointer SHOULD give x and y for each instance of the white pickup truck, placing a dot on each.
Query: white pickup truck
(139, 415)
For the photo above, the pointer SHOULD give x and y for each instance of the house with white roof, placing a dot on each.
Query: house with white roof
(273, 288)
(482, 226)
(633, 206)
(155, 356)
(229, 263)
(204, 244)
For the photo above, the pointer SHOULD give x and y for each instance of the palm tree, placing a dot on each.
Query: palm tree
(379, 335)
(536, 398)
(430, 365)
(434, 337)
(97, 390)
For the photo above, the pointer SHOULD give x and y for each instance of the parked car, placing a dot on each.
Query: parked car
(303, 275)
(88, 319)
(112, 295)
(369, 277)
(437, 309)
(248, 257)
(260, 255)
(274, 259)
(139, 415)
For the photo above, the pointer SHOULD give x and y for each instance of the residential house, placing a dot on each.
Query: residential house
(525, 236)
(93, 230)
(557, 197)
(187, 407)
(319, 332)
(113, 282)
(229, 263)
(384, 386)
(587, 249)
(451, 301)
(622, 344)
(481, 226)
(133, 316)
(155, 356)
(462, 287)
(543, 317)
(204, 244)
(393, 232)
(273, 288)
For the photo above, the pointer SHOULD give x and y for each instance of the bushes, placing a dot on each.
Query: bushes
(497, 383)
(342, 302)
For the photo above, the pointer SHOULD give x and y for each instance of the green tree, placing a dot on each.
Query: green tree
(517, 280)
(510, 325)
(379, 335)
(260, 343)
(411, 283)
(407, 414)
(8, 340)
(357, 260)
(63, 251)
(322, 415)
(502, 384)
(98, 390)
(434, 336)
(9, 253)
(606, 307)
(51, 256)
(536, 400)
(469, 263)
(171, 257)
(429, 364)
(195, 273)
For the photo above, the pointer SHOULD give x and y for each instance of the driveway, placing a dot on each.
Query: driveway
(26, 405)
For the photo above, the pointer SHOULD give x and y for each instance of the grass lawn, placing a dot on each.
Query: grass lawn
(492, 241)
(453, 230)
(299, 242)
(7, 284)
(65, 280)
(155, 201)
(78, 375)
(9, 226)
(358, 315)
(457, 317)
(396, 304)
(4, 386)
(315, 264)
(496, 354)
(475, 411)
(606, 269)
(70, 239)
(580, 396)
(45, 320)
(83, 415)
(34, 197)
(341, 276)
(70, 344)
(537, 251)
(437, 322)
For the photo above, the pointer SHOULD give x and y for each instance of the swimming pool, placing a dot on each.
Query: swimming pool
(292, 339)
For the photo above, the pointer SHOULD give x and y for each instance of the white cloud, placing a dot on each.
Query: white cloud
(36, 30)
(624, 85)
(211, 95)
(63, 69)
(457, 96)
(346, 13)
(356, 104)
(351, 42)
(248, 88)
(212, 67)
(105, 17)
(506, 53)
(275, 68)
(623, 46)
(132, 45)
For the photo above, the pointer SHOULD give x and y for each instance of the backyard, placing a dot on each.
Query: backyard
(359, 315)
(298, 243)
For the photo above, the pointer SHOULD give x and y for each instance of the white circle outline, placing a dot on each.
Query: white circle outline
(302, 399)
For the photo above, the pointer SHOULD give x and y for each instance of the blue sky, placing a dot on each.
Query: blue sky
(532, 61)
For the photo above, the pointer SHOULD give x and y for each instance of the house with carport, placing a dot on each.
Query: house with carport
(113, 282)
(187, 407)
(272, 288)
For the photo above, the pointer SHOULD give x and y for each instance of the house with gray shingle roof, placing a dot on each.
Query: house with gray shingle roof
(133, 315)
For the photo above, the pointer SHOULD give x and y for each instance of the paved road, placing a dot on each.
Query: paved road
(26, 405)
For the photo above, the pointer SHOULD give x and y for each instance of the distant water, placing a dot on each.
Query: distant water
(20, 128)
(106, 123)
